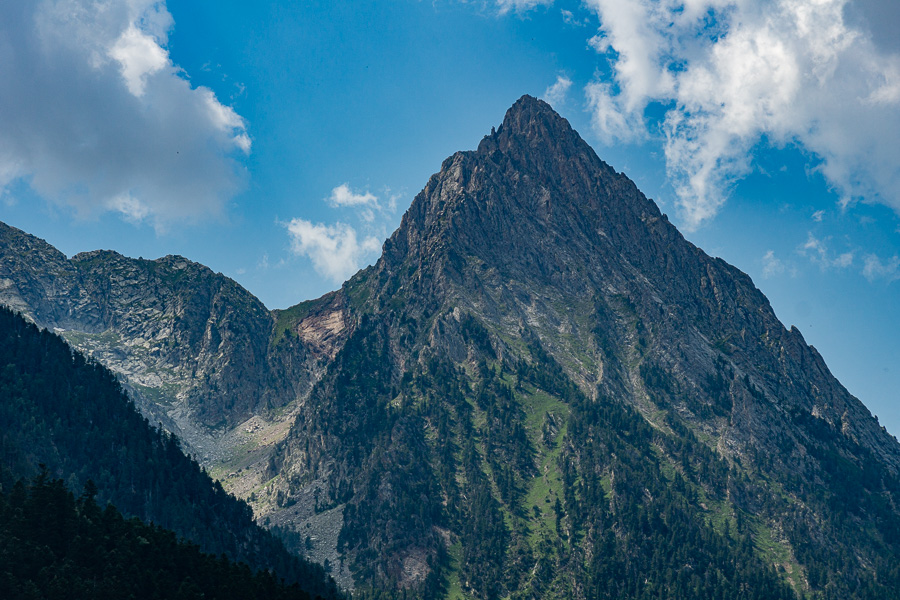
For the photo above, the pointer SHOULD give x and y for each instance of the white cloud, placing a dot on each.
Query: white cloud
(139, 56)
(771, 265)
(556, 94)
(610, 120)
(342, 195)
(95, 115)
(521, 5)
(875, 269)
(131, 208)
(843, 260)
(335, 250)
(818, 216)
(730, 73)
(817, 251)
(570, 18)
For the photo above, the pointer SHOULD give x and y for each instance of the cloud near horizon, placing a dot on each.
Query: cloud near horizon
(95, 115)
(731, 74)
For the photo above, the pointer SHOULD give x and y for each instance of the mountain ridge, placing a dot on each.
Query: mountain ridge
(166, 326)
(658, 236)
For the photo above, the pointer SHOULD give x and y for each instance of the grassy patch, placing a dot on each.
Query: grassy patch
(546, 487)
(164, 395)
(778, 552)
(286, 319)
(454, 585)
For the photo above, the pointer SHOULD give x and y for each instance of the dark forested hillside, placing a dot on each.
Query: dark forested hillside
(69, 413)
(56, 546)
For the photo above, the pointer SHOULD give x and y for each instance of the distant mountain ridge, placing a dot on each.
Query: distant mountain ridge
(196, 349)
(541, 389)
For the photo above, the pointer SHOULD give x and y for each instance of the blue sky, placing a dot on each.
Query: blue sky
(280, 143)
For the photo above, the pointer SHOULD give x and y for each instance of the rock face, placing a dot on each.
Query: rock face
(532, 322)
(541, 389)
(197, 350)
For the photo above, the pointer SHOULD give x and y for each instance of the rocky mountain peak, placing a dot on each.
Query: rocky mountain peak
(530, 121)
(534, 204)
(540, 143)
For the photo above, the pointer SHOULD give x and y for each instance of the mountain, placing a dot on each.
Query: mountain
(67, 417)
(196, 350)
(541, 389)
(548, 383)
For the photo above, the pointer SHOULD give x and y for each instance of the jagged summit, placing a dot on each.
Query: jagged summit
(532, 119)
(532, 253)
(539, 139)
(533, 203)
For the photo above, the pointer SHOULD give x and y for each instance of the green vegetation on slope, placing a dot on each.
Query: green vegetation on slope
(69, 413)
(506, 481)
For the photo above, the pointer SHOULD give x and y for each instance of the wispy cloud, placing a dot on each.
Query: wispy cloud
(520, 6)
(731, 73)
(95, 115)
(875, 268)
(772, 265)
(611, 120)
(818, 252)
(335, 250)
(569, 18)
(556, 94)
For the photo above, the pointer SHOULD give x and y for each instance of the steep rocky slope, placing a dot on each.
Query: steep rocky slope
(535, 319)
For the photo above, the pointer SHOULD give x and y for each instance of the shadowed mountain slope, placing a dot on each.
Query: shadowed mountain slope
(199, 353)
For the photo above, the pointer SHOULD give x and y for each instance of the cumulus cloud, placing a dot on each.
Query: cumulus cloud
(94, 114)
(139, 55)
(731, 73)
(556, 94)
(335, 250)
(342, 195)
